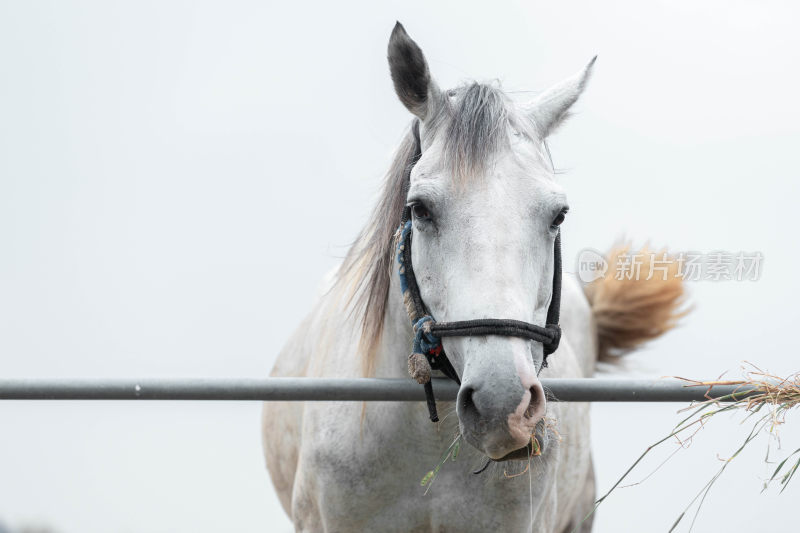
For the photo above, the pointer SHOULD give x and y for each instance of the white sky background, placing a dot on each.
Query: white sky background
(175, 179)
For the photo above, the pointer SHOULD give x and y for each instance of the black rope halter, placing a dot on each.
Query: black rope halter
(428, 353)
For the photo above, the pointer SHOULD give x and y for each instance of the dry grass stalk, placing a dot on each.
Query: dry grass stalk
(761, 396)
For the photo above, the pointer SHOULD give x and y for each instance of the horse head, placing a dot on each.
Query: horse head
(485, 211)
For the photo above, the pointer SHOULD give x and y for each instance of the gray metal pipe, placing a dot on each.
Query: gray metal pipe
(332, 389)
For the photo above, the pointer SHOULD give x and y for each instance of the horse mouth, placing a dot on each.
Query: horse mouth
(534, 448)
(520, 454)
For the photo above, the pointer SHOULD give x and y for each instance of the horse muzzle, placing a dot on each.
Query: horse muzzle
(500, 420)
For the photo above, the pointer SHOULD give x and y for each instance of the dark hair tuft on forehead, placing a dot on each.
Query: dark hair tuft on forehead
(476, 129)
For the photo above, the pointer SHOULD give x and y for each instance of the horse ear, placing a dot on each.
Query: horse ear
(410, 74)
(551, 108)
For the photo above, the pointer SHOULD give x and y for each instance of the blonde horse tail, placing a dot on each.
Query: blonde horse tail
(641, 297)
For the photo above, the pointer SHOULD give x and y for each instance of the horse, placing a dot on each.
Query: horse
(474, 178)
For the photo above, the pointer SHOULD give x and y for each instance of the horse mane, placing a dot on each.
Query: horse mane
(474, 121)
(365, 275)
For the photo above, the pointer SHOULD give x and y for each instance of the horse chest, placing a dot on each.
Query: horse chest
(369, 478)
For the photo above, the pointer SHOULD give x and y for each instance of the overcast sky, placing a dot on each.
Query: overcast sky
(176, 177)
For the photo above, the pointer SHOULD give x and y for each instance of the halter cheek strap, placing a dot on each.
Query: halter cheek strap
(427, 353)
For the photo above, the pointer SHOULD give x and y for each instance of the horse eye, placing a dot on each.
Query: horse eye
(560, 218)
(420, 211)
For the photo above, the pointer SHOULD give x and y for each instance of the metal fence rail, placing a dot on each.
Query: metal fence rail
(331, 389)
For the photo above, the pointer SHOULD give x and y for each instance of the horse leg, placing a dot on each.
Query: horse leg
(306, 514)
(580, 523)
(281, 422)
(281, 436)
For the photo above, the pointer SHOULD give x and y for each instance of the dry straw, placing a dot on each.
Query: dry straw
(763, 398)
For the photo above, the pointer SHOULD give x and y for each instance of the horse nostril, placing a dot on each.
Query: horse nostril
(466, 400)
(467, 408)
(536, 404)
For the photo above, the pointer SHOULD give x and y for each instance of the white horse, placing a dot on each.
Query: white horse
(486, 209)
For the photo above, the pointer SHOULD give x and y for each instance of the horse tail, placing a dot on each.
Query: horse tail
(640, 297)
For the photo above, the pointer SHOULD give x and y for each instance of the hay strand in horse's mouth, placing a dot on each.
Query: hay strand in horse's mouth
(533, 449)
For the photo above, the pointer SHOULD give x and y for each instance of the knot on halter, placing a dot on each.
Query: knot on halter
(427, 347)
(425, 341)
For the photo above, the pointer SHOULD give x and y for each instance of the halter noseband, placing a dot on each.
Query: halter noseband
(428, 353)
